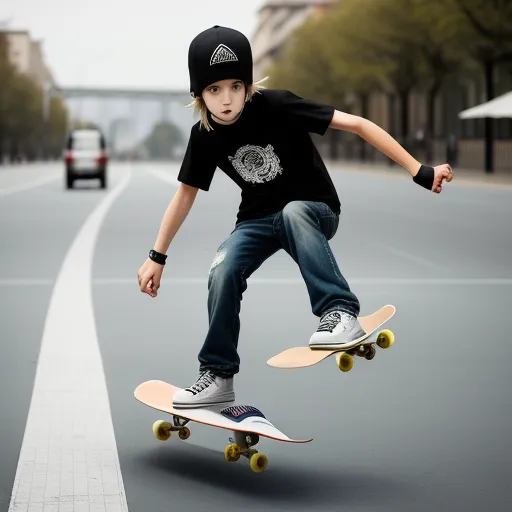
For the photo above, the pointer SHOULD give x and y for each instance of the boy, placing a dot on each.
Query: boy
(260, 139)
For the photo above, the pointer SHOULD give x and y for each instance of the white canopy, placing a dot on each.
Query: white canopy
(498, 107)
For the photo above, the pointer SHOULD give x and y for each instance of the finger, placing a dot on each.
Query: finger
(144, 283)
(148, 291)
(152, 288)
(448, 177)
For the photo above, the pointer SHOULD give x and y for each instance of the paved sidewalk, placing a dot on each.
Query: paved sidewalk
(467, 177)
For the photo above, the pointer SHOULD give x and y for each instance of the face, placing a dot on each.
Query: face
(225, 100)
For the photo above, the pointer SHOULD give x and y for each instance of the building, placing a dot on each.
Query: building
(277, 20)
(27, 56)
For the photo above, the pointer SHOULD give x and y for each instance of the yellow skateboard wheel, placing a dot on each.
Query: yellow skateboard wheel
(345, 361)
(232, 452)
(258, 463)
(385, 339)
(184, 433)
(162, 430)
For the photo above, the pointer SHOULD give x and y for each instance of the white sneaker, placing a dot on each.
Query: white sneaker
(337, 329)
(209, 389)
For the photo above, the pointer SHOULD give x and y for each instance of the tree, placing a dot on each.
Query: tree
(442, 52)
(7, 73)
(487, 27)
(356, 46)
(162, 141)
(58, 126)
(396, 46)
(306, 68)
(22, 125)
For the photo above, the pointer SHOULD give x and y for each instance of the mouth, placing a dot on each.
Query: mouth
(225, 112)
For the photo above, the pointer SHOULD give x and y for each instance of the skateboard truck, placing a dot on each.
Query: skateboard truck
(242, 444)
(163, 429)
(345, 359)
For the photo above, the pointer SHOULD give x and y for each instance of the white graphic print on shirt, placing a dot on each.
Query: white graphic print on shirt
(256, 164)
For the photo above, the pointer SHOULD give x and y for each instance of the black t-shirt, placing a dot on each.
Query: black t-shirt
(267, 152)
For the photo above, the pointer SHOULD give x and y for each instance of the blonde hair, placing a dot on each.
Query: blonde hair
(199, 106)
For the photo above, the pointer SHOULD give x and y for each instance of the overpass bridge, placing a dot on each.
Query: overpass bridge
(135, 110)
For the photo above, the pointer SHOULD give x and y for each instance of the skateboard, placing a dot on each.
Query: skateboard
(245, 421)
(300, 357)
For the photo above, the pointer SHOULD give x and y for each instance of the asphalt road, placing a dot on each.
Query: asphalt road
(424, 426)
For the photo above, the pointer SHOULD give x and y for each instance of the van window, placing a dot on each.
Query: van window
(84, 143)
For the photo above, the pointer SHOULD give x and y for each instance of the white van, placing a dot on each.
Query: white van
(86, 157)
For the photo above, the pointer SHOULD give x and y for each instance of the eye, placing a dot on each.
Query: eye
(237, 86)
(214, 89)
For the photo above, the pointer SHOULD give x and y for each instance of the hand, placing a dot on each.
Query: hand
(149, 277)
(441, 173)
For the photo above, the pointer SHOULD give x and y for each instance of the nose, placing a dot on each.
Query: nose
(226, 98)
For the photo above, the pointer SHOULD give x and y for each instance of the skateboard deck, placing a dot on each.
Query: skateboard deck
(300, 357)
(245, 421)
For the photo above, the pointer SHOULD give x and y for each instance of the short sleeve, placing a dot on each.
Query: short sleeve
(198, 166)
(311, 116)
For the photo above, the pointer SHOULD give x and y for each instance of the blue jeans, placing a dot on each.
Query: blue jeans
(302, 229)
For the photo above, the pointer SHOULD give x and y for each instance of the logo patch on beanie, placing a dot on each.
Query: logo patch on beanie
(223, 54)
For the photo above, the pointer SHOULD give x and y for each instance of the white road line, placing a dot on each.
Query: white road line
(163, 175)
(413, 258)
(392, 281)
(27, 186)
(69, 456)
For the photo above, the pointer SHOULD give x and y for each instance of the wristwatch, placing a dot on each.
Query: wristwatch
(157, 257)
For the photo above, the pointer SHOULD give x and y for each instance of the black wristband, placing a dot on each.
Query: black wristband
(425, 177)
(157, 257)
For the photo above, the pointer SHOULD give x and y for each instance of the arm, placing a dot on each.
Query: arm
(381, 140)
(174, 216)
(150, 274)
(377, 137)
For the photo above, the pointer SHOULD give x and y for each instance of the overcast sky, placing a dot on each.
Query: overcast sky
(123, 43)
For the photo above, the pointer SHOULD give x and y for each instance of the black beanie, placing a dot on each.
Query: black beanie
(218, 53)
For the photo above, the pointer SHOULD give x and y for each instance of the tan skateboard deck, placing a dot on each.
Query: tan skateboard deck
(246, 422)
(300, 357)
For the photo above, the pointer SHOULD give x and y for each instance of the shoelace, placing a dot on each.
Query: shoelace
(332, 319)
(205, 379)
